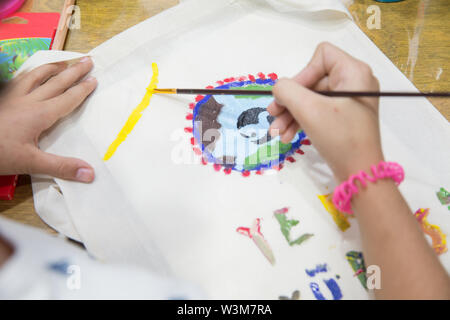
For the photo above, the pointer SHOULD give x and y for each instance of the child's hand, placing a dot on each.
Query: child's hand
(345, 131)
(31, 104)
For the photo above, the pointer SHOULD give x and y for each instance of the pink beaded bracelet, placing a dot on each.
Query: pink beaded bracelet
(344, 192)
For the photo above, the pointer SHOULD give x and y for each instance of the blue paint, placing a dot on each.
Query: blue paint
(59, 266)
(227, 123)
(319, 268)
(316, 291)
(334, 288)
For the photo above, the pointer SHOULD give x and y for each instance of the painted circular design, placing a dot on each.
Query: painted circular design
(231, 132)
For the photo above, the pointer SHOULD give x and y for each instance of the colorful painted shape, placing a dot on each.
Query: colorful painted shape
(331, 284)
(339, 218)
(356, 261)
(438, 238)
(135, 115)
(444, 197)
(320, 268)
(232, 131)
(255, 234)
(286, 226)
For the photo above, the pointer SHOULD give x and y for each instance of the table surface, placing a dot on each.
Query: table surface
(413, 34)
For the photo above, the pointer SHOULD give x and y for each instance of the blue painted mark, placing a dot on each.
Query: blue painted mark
(59, 266)
(334, 288)
(316, 291)
(319, 268)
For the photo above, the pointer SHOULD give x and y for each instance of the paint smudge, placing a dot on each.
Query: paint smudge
(295, 296)
(135, 115)
(286, 226)
(438, 238)
(356, 261)
(339, 218)
(318, 269)
(255, 234)
(331, 284)
(444, 197)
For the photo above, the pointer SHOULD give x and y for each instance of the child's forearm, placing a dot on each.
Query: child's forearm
(393, 241)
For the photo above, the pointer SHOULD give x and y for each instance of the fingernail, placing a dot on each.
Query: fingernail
(90, 78)
(85, 175)
(85, 59)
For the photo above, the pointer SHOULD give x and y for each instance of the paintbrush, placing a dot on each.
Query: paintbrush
(236, 92)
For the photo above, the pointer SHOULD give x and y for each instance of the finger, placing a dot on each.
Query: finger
(304, 105)
(281, 123)
(67, 102)
(61, 167)
(27, 82)
(64, 80)
(275, 109)
(324, 60)
(290, 132)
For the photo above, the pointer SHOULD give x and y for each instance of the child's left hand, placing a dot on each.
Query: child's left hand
(31, 104)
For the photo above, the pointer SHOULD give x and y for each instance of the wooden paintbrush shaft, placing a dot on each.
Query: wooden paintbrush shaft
(326, 93)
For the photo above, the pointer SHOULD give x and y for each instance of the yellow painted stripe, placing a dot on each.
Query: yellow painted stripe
(134, 116)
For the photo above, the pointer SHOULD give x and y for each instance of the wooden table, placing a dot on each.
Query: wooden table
(414, 34)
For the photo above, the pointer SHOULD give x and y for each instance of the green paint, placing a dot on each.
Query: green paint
(265, 154)
(253, 87)
(301, 239)
(14, 52)
(356, 261)
(286, 226)
(443, 196)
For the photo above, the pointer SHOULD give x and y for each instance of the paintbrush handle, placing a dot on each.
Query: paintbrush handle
(326, 93)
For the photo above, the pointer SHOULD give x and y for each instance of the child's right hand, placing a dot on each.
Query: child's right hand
(345, 131)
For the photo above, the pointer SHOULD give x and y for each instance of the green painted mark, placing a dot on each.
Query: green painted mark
(253, 87)
(444, 197)
(265, 154)
(356, 261)
(286, 226)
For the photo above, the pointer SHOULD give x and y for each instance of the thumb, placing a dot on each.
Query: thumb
(61, 167)
(304, 105)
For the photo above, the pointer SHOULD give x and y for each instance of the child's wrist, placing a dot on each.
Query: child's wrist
(345, 192)
(362, 163)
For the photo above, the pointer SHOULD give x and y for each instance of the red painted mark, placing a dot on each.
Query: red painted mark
(244, 231)
(197, 151)
(261, 75)
(190, 116)
(204, 162)
(282, 210)
(209, 87)
(242, 78)
(252, 78)
(245, 173)
(228, 80)
(290, 159)
(299, 151)
(259, 172)
(188, 130)
(220, 83)
(199, 97)
(278, 167)
(227, 170)
(193, 141)
(358, 272)
(273, 76)
(258, 226)
(306, 142)
(191, 106)
(217, 166)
